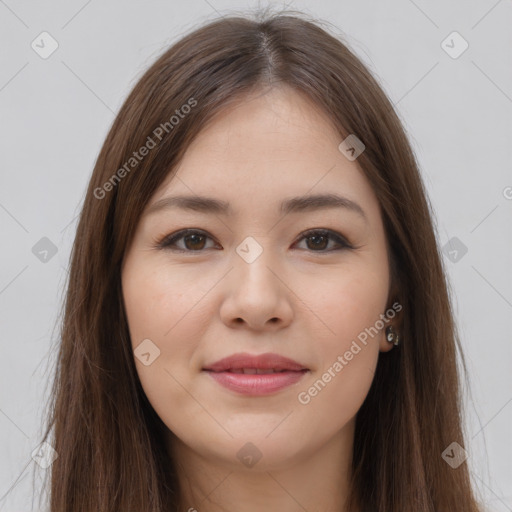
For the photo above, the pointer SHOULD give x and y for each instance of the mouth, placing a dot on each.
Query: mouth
(244, 362)
(255, 371)
(256, 375)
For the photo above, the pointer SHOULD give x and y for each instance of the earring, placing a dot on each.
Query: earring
(391, 335)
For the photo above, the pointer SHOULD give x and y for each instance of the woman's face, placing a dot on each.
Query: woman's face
(275, 272)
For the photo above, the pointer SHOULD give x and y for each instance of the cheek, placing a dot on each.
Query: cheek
(163, 307)
(160, 303)
(349, 312)
(345, 305)
(333, 396)
(167, 306)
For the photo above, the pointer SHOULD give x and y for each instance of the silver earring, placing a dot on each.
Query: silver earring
(392, 336)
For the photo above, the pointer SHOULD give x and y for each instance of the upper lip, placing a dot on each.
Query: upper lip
(266, 361)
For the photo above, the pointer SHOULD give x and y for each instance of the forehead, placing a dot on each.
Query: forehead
(266, 147)
(286, 124)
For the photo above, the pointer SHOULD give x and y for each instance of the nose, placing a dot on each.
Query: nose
(256, 295)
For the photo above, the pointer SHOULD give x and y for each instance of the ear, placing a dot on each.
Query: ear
(394, 315)
(385, 346)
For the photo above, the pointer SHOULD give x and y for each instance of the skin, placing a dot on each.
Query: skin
(297, 299)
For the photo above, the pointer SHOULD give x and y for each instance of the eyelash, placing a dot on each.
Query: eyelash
(171, 239)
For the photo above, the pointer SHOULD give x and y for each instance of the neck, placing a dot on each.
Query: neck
(316, 481)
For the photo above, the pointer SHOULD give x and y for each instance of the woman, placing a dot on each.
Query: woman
(257, 316)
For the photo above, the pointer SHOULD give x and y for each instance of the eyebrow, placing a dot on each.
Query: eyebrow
(293, 205)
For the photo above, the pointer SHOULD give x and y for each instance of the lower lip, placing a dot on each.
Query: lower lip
(256, 384)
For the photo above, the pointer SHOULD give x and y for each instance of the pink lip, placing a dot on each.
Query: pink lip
(223, 371)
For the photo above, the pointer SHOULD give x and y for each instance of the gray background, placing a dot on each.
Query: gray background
(56, 112)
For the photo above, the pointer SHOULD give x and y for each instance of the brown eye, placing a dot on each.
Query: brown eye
(193, 241)
(318, 240)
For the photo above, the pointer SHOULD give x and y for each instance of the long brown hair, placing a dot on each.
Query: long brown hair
(111, 454)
